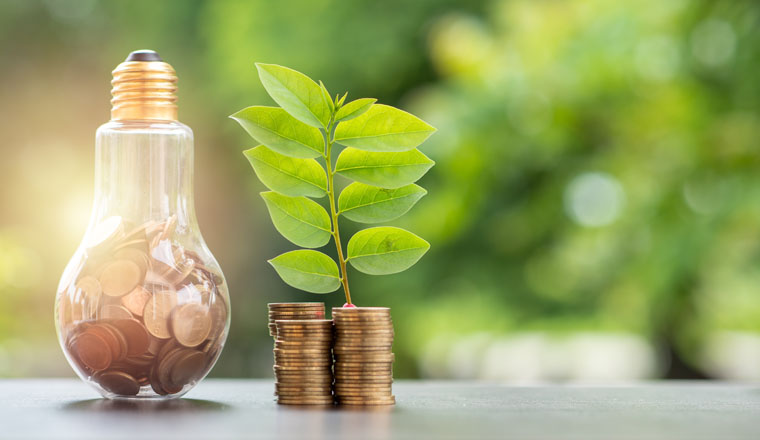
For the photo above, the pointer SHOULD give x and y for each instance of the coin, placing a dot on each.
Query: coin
(112, 311)
(93, 351)
(191, 324)
(136, 256)
(188, 367)
(91, 292)
(361, 402)
(306, 401)
(157, 312)
(120, 277)
(135, 300)
(118, 382)
(218, 313)
(136, 335)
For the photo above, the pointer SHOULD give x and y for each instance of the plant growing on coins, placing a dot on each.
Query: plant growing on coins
(380, 156)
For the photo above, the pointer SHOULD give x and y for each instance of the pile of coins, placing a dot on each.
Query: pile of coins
(363, 356)
(285, 311)
(303, 362)
(142, 311)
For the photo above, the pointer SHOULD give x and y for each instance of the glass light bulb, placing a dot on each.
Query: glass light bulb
(142, 309)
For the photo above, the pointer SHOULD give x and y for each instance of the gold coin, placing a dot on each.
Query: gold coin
(357, 371)
(113, 311)
(362, 326)
(135, 300)
(365, 357)
(365, 332)
(191, 324)
(303, 388)
(303, 344)
(188, 368)
(135, 256)
(136, 233)
(153, 278)
(92, 350)
(355, 387)
(157, 312)
(297, 351)
(136, 336)
(298, 365)
(91, 291)
(295, 304)
(118, 382)
(364, 402)
(304, 357)
(308, 379)
(218, 312)
(300, 368)
(304, 401)
(120, 277)
(115, 339)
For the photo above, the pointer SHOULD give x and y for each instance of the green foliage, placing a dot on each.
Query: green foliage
(298, 94)
(276, 129)
(354, 109)
(384, 128)
(307, 270)
(385, 170)
(302, 221)
(287, 175)
(381, 157)
(369, 204)
(385, 250)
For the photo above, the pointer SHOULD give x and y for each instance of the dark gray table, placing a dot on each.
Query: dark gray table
(232, 409)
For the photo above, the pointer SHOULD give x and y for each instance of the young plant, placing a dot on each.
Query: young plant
(380, 157)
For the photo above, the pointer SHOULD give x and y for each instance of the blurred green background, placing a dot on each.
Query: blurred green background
(594, 213)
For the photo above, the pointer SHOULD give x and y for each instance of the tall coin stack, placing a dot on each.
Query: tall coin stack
(363, 356)
(285, 311)
(303, 362)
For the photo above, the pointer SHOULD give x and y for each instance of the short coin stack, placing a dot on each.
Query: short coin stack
(302, 310)
(363, 356)
(303, 362)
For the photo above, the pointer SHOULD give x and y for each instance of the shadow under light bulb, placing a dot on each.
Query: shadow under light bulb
(142, 309)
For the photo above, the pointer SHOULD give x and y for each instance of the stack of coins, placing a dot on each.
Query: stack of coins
(285, 311)
(142, 311)
(303, 362)
(363, 356)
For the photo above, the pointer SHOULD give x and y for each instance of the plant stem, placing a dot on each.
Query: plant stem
(333, 211)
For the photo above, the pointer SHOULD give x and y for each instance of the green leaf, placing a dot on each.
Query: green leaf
(288, 175)
(384, 128)
(307, 270)
(385, 250)
(370, 204)
(354, 109)
(342, 99)
(275, 128)
(302, 221)
(385, 170)
(326, 96)
(298, 94)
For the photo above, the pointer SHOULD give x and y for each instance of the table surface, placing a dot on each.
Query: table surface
(232, 409)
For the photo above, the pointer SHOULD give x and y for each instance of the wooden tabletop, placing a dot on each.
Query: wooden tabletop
(236, 409)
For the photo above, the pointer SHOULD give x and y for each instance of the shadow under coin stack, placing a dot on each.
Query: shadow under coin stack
(144, 313)
(303, 362)
(285, 311)
(363, 356)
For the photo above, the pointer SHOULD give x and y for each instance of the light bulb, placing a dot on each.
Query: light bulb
(142, 309)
